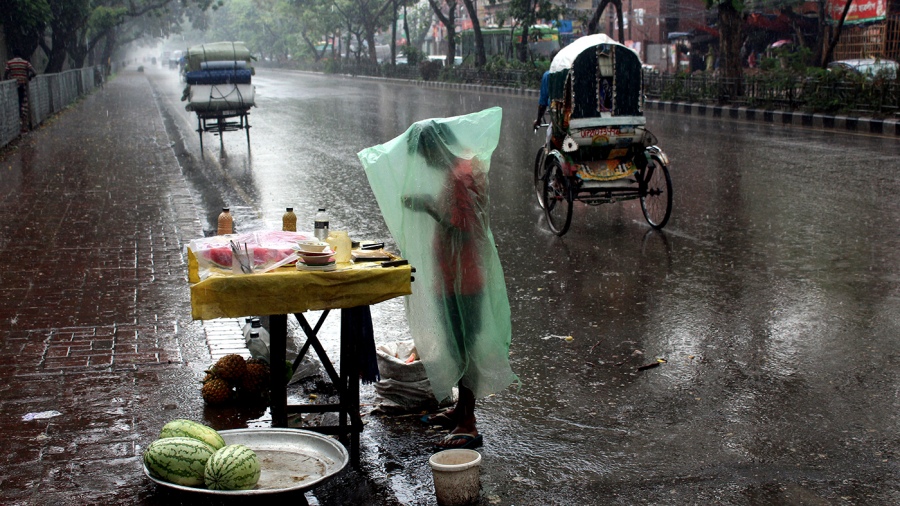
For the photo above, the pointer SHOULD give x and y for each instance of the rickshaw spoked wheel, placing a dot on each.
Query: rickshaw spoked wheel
(656, 193)
(539, 173)
(557, 197)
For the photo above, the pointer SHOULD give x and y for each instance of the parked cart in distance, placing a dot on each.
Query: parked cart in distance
(219, 88)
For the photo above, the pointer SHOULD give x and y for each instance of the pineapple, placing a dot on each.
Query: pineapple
(230, 367)
(216, 391)
(256, 379)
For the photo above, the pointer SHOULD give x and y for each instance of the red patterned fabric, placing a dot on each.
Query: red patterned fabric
(457, 246)
(20, 70)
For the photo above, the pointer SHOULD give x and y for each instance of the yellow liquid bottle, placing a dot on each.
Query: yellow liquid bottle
(226, 222)
(289, 221)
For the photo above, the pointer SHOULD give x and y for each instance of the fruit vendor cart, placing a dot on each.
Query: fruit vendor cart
(351, 287)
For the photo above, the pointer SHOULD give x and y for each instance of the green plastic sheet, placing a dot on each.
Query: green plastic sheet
(431, 184)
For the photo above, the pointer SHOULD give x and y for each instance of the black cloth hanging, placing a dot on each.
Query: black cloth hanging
(356, 323)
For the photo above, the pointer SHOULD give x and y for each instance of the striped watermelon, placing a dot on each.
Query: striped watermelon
(234, 467)
(190, 428)
(179, 460)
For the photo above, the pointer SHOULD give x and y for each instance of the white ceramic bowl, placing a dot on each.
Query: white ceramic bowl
(312, 247)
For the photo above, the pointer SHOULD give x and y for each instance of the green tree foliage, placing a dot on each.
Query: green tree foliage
(24, 22)
(69, 30)
(525, 14)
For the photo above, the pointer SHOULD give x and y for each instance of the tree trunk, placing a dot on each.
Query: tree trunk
(107, 52)
(595, 19)
(406, 25)
(820, 35)
(451, 43)
(370, 40)
(836, 37)
(522, 44)
(480, 57)
(394, 36)
(57, 54)
(730, 37)
(621, 24)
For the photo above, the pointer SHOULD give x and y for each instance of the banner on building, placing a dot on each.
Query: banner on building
(861, 11)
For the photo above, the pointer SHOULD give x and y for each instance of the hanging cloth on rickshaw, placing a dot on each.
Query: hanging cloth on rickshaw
(596, 106)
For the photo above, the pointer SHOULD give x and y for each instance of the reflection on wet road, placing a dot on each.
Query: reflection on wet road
(771, 296)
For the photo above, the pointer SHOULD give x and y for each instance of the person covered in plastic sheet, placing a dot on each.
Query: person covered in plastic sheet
(20, 69)
(432, 182)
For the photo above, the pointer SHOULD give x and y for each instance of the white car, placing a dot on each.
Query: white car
(869, 67)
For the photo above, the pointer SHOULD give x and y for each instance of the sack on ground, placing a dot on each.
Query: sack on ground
(404, 385)
(309, 366)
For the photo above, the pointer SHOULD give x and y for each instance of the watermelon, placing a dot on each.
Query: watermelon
(234, 467)
(190, 428)
(179, 460)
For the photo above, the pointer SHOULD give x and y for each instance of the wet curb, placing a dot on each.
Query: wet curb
(864, 125)
(888, 127)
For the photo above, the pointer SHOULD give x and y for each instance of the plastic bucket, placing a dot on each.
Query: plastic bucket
(457, 479)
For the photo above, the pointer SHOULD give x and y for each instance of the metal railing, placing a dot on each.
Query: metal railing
(829, 94)
(47, 95)
(823, 94)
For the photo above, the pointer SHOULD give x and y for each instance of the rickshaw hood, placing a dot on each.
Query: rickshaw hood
(566, 56)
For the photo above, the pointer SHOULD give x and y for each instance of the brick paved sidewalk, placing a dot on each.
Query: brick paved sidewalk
(96, 341)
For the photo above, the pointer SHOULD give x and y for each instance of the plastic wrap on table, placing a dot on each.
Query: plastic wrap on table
(213, 255)
(216, 51)
(459, 279)
(239, 76)
(220, 97)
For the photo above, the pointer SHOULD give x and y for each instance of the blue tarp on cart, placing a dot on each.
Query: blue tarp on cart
(239, 76)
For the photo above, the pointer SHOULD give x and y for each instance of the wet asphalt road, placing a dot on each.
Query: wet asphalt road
(771, 295)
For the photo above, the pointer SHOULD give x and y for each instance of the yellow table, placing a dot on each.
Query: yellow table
(352, 287)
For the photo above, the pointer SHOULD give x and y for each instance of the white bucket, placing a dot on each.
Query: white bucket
(456, 476)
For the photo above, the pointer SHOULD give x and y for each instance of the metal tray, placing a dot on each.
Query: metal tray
(290, 460)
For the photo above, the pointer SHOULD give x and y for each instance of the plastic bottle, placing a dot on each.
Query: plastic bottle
(226, 222)
(256, 326)
(341, 244)
(321, 224)
(289, 221)
(245, 329)
(257, 347)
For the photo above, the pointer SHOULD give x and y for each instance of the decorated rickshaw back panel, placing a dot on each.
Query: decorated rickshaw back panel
(606, 78)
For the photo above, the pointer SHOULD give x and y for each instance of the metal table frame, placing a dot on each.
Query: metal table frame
(218, 123)
(346, 382)
(285, 292)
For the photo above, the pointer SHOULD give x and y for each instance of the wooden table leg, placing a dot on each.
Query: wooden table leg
(277, 382)
(355, 322)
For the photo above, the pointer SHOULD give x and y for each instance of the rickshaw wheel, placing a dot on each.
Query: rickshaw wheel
(539, 173)
(558, 198)
(656, 194)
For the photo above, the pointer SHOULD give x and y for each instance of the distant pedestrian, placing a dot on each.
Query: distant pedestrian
(21, 70)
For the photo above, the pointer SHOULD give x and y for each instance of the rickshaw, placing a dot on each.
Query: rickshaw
(598, 149)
